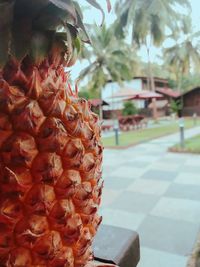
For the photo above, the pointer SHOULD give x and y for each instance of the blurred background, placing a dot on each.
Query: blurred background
(141, 75)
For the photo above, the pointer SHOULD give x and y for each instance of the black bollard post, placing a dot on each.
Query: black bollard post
(116, 137)
(182, 137)
(116, 130)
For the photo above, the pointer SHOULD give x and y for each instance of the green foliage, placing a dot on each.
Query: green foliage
(96, 82)
(148, 18)
(150, 21)
(192, 145)
(172, 83)
(113, 59)
(129, 108)
(184, 55)
(84, 94)
(87, 94)
(188, 82)
(143, 135)
(157, 70)
(176, 106)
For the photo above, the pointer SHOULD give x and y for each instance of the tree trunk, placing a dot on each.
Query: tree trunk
(152, 84)
(180, 79)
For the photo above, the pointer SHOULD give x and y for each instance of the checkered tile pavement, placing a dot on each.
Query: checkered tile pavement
(156, 193)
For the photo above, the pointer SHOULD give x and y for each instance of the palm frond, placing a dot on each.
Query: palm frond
(148, 17)
(157, 30)
(89, 69)
(182, 55)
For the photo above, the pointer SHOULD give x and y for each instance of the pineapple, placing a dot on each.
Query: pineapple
(50, 149)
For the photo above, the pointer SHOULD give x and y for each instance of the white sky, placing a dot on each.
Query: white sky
(93, 16)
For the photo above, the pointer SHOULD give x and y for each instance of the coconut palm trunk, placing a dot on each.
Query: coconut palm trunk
(151, 84)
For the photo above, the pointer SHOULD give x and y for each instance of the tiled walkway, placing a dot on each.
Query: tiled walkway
(156, 193)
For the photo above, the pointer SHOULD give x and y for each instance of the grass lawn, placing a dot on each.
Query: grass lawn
(143, 135)
(192, 145)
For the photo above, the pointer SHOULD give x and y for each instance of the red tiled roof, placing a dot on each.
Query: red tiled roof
(97, 102)
(128, 93)
(146, 95)
(168, 92)
(191, 90)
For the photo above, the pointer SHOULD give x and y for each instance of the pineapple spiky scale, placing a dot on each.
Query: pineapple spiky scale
(50, 150)
(50, 169)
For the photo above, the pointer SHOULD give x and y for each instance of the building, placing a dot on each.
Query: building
(137, 84)
(191, 102)
(144, 82)
(168, 93)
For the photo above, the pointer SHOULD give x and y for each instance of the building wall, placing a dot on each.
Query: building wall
(157, 83)
(191, 102)
(192, 98)
(190, 111)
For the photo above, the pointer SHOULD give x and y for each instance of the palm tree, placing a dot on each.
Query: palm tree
(184, 54)
(149, 19)
(112, 59)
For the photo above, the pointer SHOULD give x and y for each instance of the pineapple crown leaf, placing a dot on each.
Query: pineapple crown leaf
(24, 22)
(97, 5)
(66, 6)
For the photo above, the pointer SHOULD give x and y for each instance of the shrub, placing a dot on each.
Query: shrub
(176, 106)
(129, 108)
